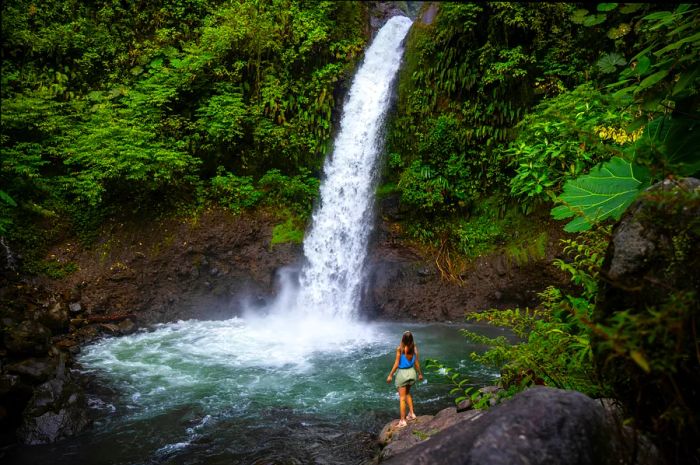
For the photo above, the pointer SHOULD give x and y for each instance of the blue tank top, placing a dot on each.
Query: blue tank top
(406, 363)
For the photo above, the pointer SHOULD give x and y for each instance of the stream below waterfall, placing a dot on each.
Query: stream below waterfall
(225, 392)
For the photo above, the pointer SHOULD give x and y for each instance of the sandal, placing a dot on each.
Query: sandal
(401, 424)
(410, 417)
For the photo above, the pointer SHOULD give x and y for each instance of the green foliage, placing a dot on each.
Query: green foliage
(53, 268)
(463, 389)
(467, 80)
(530, 249)
(645, 338)
(234, 192)
(586, 252)
(670, 144)
(555, 346)
(289, 231)
(665, 75)
(111, 104)
(560, 140)
(297, 192)
(603, 193)
(609, 62)
(444, 179)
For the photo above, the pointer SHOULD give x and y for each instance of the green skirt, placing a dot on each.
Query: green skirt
(405, 377)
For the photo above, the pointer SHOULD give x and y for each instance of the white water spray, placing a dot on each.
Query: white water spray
(336, 245)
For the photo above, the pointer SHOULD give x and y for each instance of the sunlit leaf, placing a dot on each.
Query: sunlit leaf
(658, 15)
(643, 65)
(640, 360)
(603, 193)
(653, 79)
(606, 6)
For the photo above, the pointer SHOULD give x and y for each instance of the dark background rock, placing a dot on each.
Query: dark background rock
(57, 410)
(404, 283)
(35, 370)
(653, 264)
(28, 338)
(538, 426)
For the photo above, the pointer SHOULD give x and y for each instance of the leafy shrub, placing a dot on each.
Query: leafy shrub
(289, 231)
(297, 192)
(560, 140)
(234, 192)
(554, 345)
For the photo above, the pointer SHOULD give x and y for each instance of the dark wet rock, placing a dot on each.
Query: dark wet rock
(28, 338)
(429, 14)
(382, 12)
(492, 390)
(126, 326)
(35, 369)
(7, 383)
(55, 317)
(646, 256)
(539, 426)
(57, 410)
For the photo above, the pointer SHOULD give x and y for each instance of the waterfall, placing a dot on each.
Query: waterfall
(335, 246)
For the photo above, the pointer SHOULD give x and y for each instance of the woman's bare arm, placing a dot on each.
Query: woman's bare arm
(420, 372)
(396, 365)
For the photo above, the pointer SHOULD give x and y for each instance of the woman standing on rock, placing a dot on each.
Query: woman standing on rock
(406, 363)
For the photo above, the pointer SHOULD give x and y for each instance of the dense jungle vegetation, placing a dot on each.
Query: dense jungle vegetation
(505, 112)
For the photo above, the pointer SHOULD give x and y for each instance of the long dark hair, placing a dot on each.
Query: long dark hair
(407, 343)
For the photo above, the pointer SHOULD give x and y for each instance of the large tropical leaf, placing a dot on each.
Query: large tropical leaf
(603, 193)
(609, 62)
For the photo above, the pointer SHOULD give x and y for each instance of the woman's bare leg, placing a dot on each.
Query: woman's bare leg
(409, 399)
(402, 401)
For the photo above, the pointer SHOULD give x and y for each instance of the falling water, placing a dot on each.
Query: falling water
(336, 245)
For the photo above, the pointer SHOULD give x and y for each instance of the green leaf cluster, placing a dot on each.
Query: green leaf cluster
(125, 106)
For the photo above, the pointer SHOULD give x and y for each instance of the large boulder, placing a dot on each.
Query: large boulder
(654, 249)
(35, 370)
(539, 426)
(28, 338)
(54, 317)
(57, 410)
(648, 308)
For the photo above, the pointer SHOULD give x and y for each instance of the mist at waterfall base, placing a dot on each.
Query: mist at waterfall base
(302, 380)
